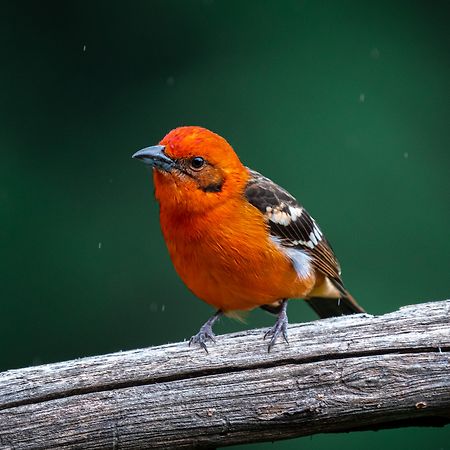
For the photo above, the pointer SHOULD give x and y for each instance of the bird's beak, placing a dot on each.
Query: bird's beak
(155, 157)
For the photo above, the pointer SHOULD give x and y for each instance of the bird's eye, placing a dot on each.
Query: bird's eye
(197, 163)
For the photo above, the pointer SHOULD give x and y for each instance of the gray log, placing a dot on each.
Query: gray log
(341, 374)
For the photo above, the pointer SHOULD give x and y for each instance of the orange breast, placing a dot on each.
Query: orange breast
(228, 260)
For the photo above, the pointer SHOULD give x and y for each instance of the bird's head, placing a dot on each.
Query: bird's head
(194, 169)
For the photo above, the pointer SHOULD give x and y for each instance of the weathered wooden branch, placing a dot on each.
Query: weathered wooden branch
(343, 374)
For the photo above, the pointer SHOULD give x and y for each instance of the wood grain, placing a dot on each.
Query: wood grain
(341, 374)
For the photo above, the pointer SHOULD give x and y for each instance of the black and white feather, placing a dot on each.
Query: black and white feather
(293, 229)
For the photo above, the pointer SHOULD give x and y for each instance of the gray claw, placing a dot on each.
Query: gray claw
(202, 337)
(280, 327)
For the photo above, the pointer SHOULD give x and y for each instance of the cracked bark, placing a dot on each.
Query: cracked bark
(337, 375)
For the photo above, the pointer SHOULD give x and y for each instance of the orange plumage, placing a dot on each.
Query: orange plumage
(236, 239)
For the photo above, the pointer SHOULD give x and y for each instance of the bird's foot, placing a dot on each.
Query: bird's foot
(280, 327)
(205, 334)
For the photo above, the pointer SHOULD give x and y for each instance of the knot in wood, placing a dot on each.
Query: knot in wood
(421, 405)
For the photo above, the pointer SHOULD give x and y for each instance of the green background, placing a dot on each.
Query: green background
(344, 103)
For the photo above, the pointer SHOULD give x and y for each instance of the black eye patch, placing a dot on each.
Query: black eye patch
(213, 187)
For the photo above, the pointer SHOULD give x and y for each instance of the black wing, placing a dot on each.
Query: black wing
(292, 225)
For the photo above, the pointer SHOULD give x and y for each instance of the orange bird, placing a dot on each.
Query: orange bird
(238, 240)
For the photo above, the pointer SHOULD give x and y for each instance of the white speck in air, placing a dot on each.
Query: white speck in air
(375, 53)
(362, 97)
(163, 308)
(99, 245)
(84, 47)
(406, 155)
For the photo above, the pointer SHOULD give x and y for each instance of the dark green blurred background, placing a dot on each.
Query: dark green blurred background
(346, 104)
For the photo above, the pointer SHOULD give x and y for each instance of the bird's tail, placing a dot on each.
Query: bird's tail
(332, 307)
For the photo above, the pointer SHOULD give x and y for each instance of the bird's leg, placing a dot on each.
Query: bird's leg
(279, 327)
(206, 332)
